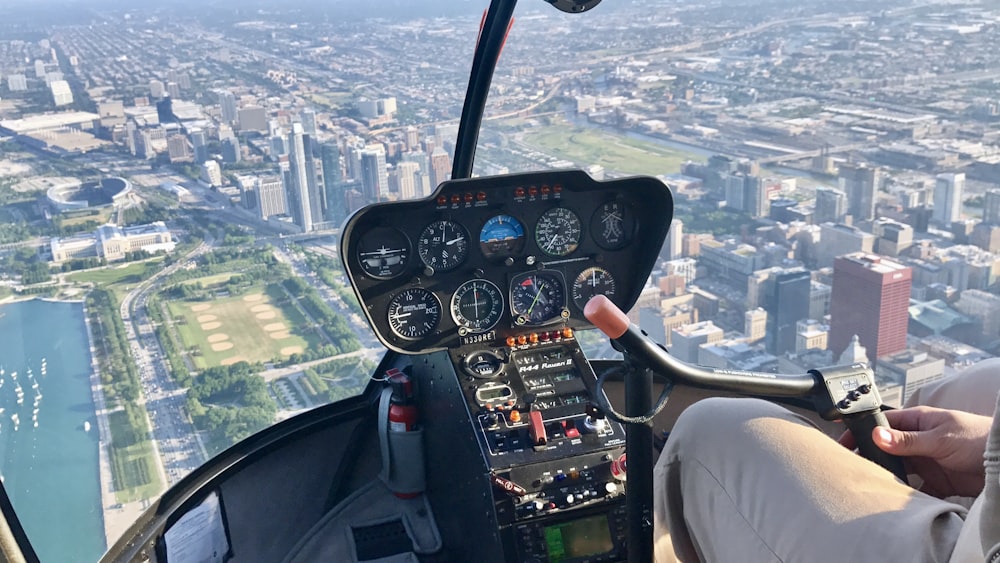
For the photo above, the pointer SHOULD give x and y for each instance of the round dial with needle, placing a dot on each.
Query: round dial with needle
(537, 297)
(613, 225)
(477, 305)
(443, 245)
(558, 231)
(413, 313)
(592, 282)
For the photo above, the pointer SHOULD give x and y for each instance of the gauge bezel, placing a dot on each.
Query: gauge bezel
(496, 311)
(630, 225)
(580, 281)
(462, 244)
(552, 217)
(558, 313)
(407, 249)
(512, 249)
(427, 331)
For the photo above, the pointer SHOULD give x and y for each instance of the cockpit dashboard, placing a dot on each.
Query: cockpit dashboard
(500, 259)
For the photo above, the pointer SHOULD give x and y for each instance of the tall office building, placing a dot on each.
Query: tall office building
(308, 117)
(156, 89)
(838, 239)
(173, 90)
(177, 148)
(673, 247)
(406, 173)
(991, 207)
(786, 300)
(860, 183)
(755, 325)
(227, 103)
(736, 191)
(271, 197)
(686, 340)
(948, 198)
(412, 138)
(440, 167)
(374, 176)
(253, 118)
(333, 182)
(200, 142)
(61, 93)
(231, 152)
(17, 82)
(871, 298)
(303, 188)
(831, 205)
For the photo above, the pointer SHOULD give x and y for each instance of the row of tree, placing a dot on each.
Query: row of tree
(333, 324)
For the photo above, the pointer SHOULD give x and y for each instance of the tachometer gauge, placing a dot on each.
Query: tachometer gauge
(477, 305)
(590, 283)
(414, 313)
(383, 252)
(537, 297)
(443, 245)
(558, 231)
(613, 225)
(502, 236)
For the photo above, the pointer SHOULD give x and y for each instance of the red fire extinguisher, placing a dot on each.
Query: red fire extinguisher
(402, 411)
(401, 437)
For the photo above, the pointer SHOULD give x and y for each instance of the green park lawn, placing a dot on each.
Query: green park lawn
(616, 153)
(256, 326)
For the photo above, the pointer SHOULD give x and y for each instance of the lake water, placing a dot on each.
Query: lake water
(50, 471)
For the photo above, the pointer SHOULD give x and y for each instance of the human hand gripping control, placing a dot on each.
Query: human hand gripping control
(943, 447)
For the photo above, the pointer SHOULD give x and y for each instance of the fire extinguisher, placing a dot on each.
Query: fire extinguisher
(401, 437)
(402, 411)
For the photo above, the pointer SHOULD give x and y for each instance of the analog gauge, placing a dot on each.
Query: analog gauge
(592, 282)
(383, 252)
(537, 298)
(443, 245)
(484, 364)
(502, 236)
(558, 231)
(477, 305)
(414, 313)
(613, 225)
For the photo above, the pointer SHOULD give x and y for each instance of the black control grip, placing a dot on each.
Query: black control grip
(861, 425)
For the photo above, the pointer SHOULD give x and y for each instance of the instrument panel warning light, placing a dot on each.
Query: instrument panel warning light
(546, 190)
(468, 197)
(522, 339)
(456, 198)
(532, 191)
(481, 196)
(442, 200)
(533, 338)
(511, 341)
(567, 332)
(514, 416)
(557, 188)
(518, 192)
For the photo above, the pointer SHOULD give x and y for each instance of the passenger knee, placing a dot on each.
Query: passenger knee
(719, 416)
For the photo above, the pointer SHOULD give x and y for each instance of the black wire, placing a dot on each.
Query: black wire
(605, 406)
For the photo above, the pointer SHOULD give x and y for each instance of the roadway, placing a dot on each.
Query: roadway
(176, 445)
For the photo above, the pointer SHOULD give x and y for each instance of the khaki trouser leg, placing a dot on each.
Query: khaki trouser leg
(745, 480)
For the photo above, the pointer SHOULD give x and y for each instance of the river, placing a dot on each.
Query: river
(50, 469)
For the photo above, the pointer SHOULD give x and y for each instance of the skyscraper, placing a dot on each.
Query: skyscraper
(231, 152)
(673, 247)
(200, 142)
(61, 93)
(227, 103)
(991, 207)
(374, 177)
(302, 186)
(440, 167)
(333, 184)
(861, 184)
(831, 205)
(786, 300)
(948, 198)
(271, 198)
(406, 172)
(308, 117)
(871, 298)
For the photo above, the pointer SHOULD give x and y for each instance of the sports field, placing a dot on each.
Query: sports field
(250, 327)
(616, 153)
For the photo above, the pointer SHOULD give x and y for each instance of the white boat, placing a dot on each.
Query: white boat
(17, 421)
(13, 375)
(86, 426)
(36, 423)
